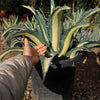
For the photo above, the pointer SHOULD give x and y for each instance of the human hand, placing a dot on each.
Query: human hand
(35, 52)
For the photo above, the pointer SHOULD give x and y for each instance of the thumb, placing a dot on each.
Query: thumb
(26, 42)
(27, 49)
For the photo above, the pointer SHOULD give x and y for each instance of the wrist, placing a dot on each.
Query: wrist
(30, 58)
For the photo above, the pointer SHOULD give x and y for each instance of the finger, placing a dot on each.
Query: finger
(39, 46)
(27, 49)
(42, 52)
(42, 49)
(26, 42)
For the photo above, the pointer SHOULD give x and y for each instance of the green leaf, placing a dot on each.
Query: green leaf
(68, 36)
(6, 24)
(78, 14)
(29, 23)
(55, 23)
(9, 50)
(14, 42)
(10, 24)
(52, 6)
(41, 22)
(27, 33)
(92, 44)
(73, 52)
(16, 21)
(30, 8)
(84, 46)
(88, 13)
(16, 27)
(89, 44)
(45, 62)
(42, 25)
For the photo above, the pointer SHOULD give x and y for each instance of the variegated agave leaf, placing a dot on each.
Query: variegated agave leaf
(16, 21)
(42, 25)
(9, 50)
(52, 6)
(89, 44)
(95, 34)
(69, 22)
(5, 23)
(29, 24)
(41, 22)
(84, 46)
(28, 33)
(45, 62)
(68, 36)
(30, 8)
(88, 13)
(15, 41)
(81, 16)
(55, 26)
(12, 21)
(92, 44)
(88, 34)
(76, 16)
(15, 28)
(74, 52)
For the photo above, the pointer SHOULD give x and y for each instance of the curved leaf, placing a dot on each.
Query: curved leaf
(42, 25)
(52, 6)
(30, 8)
(16, 27)
(72, 53)
(16, 21)
(92, 44)
(84, 46)
(9, 50)
(56, 25)
(13, 43)
(89, 44)
(5, 23)
(45, 62)
(41, 22)
(88, 13)
(29, 23)
(29, 34)
(68, 36)
(16, 42)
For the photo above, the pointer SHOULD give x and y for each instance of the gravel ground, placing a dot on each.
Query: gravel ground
(28, 91)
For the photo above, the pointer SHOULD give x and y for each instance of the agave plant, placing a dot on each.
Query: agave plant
(13, 20)
(60, 42)
(84, 34)
(89, 34)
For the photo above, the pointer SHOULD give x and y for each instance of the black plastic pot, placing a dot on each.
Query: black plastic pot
(58, 84)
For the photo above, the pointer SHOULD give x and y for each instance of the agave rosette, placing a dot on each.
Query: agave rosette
(60, 43)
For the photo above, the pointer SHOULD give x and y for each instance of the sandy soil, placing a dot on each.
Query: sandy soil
(87, 77)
